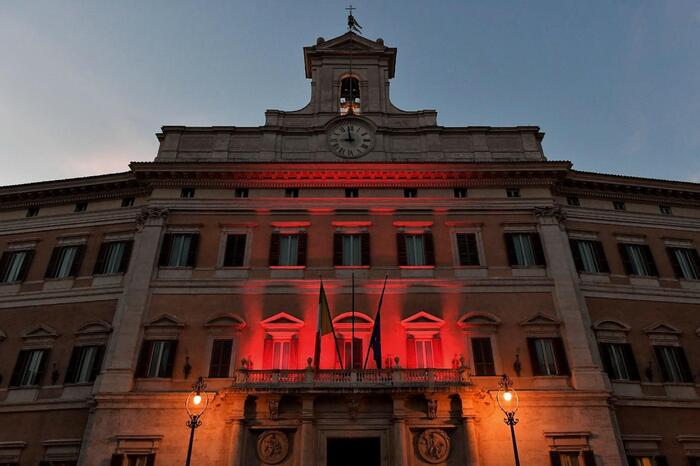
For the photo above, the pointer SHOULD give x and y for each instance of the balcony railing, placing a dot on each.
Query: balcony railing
(361, 379)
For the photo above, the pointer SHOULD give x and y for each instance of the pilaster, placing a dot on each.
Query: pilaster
(308, 444)
(401, 441)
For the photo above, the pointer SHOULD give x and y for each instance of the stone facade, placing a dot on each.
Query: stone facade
(206, 262)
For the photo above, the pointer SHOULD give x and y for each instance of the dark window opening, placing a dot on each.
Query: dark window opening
(235, 250)
(513, 192)
(352, 192)
(187, 193)
(128, 202)
(573, 200)
(81, 206)
(467, 249)
(32, 212)
(461, 193)
(354, 451)
(349, 95)
(241, 192)
(410, 192)
(291, 192)
(665, 209)
(619, 205)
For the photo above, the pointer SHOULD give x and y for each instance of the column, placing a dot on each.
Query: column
(131, 310)
(586, 373)
(400, 441)
(308, 444)
(237, 431)
(472, 442)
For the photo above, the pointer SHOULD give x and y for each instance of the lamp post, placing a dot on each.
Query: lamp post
(196, 404)
(508, 401)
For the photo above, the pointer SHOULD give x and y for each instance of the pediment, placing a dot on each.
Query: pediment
(541, 319)
(165, 320)
(477, 318)
(347, 319)
(226, 320)
(40, 331)
(422, 319)
(349, 41)
(661, 327)
(282, 322)
(610, 325)
(94, 328)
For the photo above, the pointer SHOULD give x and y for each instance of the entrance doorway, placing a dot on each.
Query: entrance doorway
(364, 451)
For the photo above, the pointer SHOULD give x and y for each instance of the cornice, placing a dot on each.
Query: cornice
(72, 220)
(626, 218)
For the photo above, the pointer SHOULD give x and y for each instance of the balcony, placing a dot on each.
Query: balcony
(395, 379)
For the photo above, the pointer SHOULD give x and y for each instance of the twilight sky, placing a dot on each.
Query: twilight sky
(84, 85)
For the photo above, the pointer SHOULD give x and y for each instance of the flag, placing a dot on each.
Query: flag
(325, 326)
(375, 341)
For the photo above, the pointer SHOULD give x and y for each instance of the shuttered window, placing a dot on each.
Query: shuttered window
(235, 250)
(618, 361)
(113, 257)
(416, 249)
(220, 358)
(288, 250)
(14, 265)
(157, 358)
(483, 356)
(524, 249)
(673, 364)
(638, 260)
(547, 356)
(65, 261)
(179, 250)
(351, 250)
(467, 249)
(589, 256)
(29, 369)
(85, 364)
(572, 458)
(120, 459)
(685, 262)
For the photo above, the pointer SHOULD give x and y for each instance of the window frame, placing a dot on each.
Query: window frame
(145, 361)
(18, 375)
(22, 270)
(539, 259)
(165, 259)
(597, 252)
(54, 265)
(101, 262)
(73, 371)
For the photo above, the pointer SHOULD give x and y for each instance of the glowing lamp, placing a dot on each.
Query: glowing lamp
(508, 401)
(195, 405)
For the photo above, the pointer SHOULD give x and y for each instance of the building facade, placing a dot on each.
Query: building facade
(119, 290)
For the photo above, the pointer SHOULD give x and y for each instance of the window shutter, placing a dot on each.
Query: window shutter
(19, 368)
(267, 352)
(239, 255)
(77, 261)
(126, 256)
(661, 461)
(151, 459)
(536, 368)
(4, 263)
(649, 259)
(684, 366)
(410, 352)
(337, 249)
(144, 357)
(117, 459)
(631, 361)
(605, 359)
(364, 249)
(677, 272)
(588, 458)
(600, 257)
(401, 248)
(510, 249)
(467, 249)
(235, 250)
(537, 249)
(164, 259)
(429, 248)
(42, 367)
(97, 365)
(28, 258)
(220, 358)
(172, 347)
(294, 353)
(560, 355)
(73, 364)
(554, 458)
(483, 356)
(625, 258)
(576, 253)
(51, 268)
(301, 250)
(437, 352)
(274, 250)
(101, 257)
(658, 350)
(194, 249)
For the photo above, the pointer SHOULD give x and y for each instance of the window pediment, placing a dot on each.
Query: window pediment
(661, 328)
(477, 319)
(343, 324)
(39, 332)
(226, 320)
(541, 324)
(97, 327)
(610, 325)
(282, 325)
(165, 320)
(422, 325)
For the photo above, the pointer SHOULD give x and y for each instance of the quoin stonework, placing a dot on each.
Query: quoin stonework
(118, 291)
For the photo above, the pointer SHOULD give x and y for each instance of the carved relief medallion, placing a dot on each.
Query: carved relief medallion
(273, 446)
(434, 445)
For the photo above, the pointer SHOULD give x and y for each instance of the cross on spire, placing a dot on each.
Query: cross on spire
(353, 25)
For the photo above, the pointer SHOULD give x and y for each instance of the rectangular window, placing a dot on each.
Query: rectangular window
(573, 201)
(424, 354)
(351, 361)
(352, 192)
(29, 368)
(673, 364)
(113, 257)
(179, 250)
(241, 192)
(638, 260)
(220, 358)
(619, 205)
(156, 358)
(235, 250)
(513, 192)
(65, 261)
(483, 356)
(415, 249)
(32, 212)
(410, 192)
(128, 202)
(467, 249)
(187, 193)
(547, 356)
(288, 250)
(589, 256)
(685, 262)
(461, 193)
(14, 265)
(572, 458)
(665, 209)
(618, 361)
(291, 192)
(647, 461)
(524, 249)
(280, 354)
(81, 207)
(85, 364)
(351, 250)
(120, 459)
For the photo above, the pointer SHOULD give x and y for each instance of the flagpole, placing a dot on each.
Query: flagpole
(379, 308)
(352, 341)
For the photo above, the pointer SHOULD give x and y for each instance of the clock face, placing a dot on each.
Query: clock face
(350, 140)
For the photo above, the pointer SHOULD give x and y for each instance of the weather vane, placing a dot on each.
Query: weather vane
(353, 25)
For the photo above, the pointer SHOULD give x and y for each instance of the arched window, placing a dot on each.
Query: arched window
(349, 95)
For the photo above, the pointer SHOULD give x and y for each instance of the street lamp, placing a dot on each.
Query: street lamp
(508, 401)
(196, 404)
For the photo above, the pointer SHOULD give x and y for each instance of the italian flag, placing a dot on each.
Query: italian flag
(325, 326)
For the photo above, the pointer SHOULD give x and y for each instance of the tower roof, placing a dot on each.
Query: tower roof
(346, 45)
